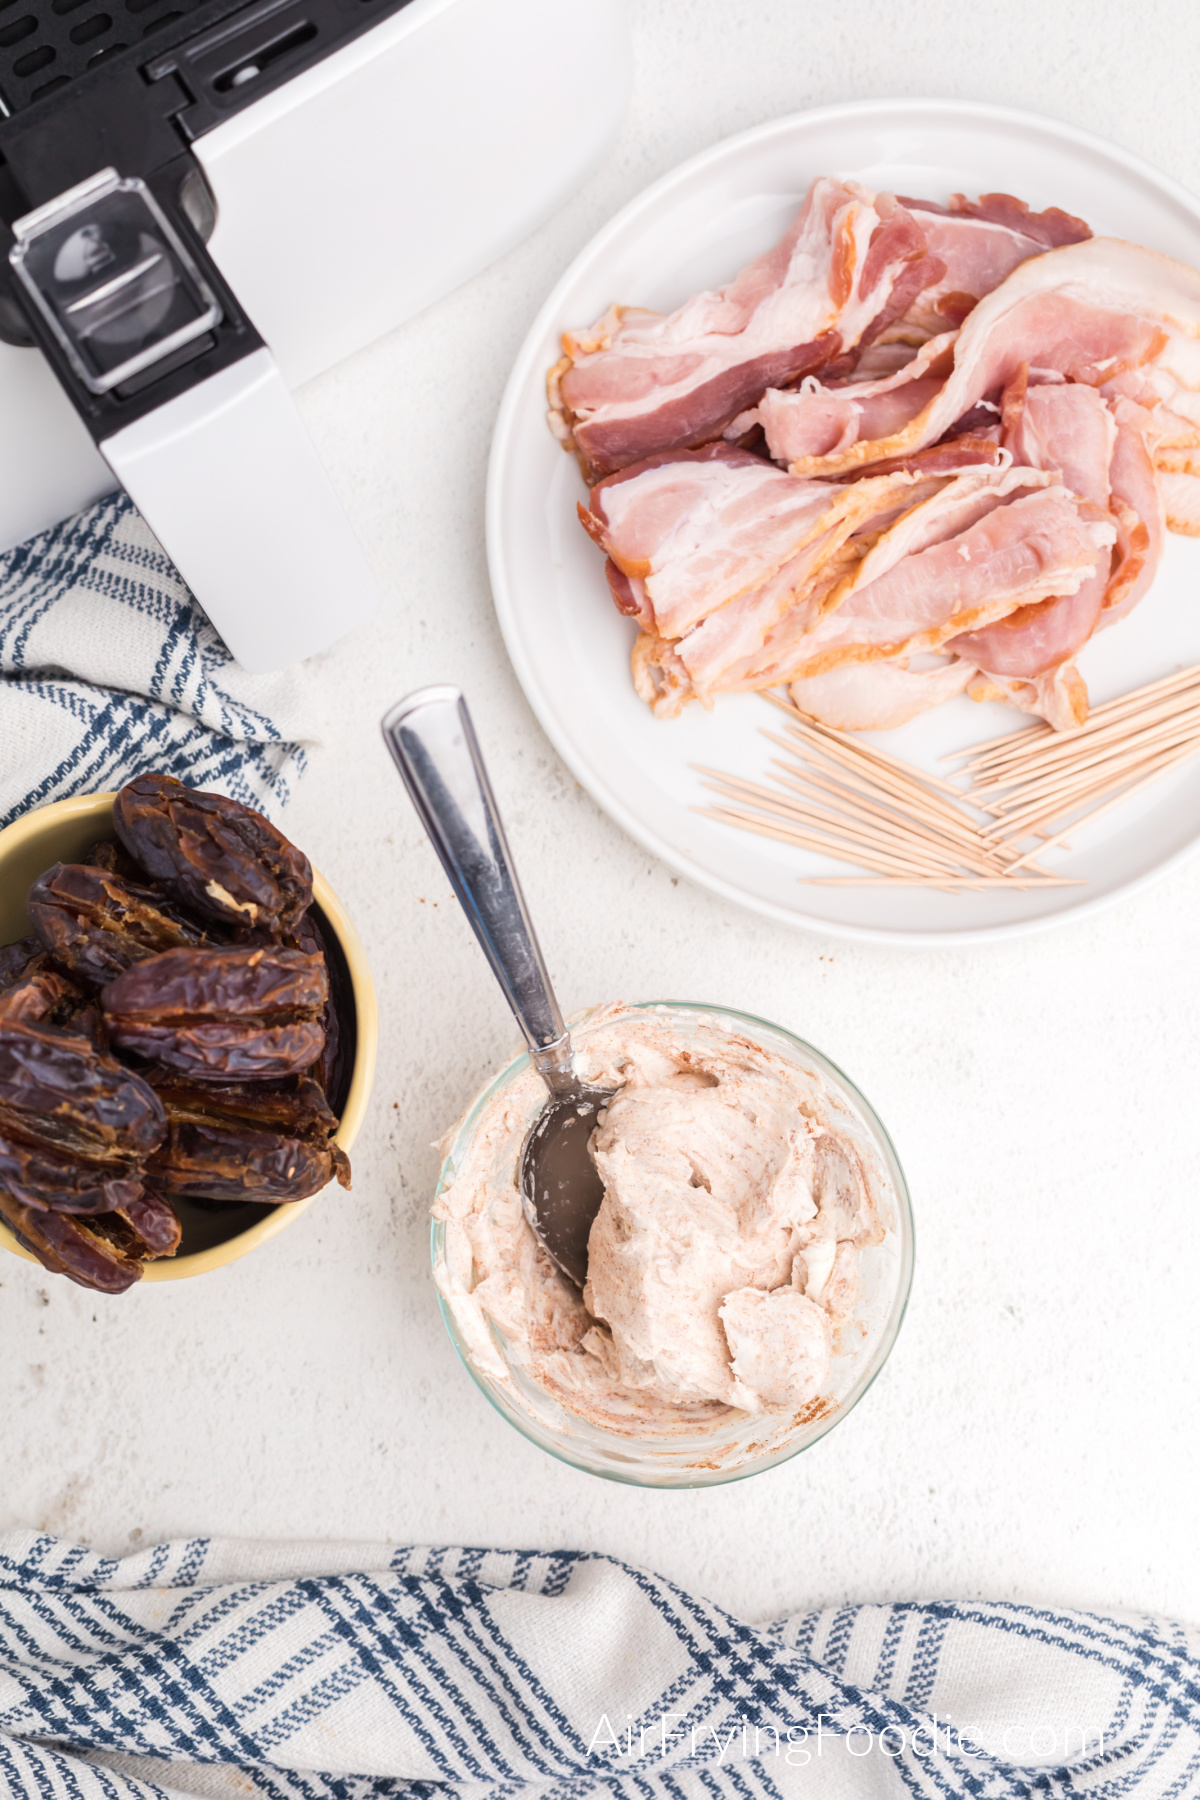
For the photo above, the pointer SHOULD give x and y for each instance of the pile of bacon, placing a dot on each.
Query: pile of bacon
(911, 452)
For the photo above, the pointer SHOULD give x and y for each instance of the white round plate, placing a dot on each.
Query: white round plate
(570, 647)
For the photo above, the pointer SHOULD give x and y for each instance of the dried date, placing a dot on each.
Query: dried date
(263, 983)
(296, 1106)
(110, 853)
(220, 858)
(331, 1069)
(57, 1089)
(39, 993)
(156, 1223)
(107, 1253)
(49, 998)
(228, 1159)
(17, 959)
(42, 997)
(245, 1015)
(251, 1052)
(97, 923)
(294, 1110)
(40, 1176)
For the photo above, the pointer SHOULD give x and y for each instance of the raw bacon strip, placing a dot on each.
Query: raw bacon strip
(1066, 429)
(972, 450)
(1137, 505)
(641, 382)
(1060, 696)
(1021, 552)
(691, 530)
(946, 509)
(1034, 639)
(659, 678)
(878, 695)
(1086, 312)
(1181, 499)
(750, 641)
(980, 244)
(816, 420)
(972, 555)
(760, 637)
(700, 664)
(1050, 229)
(733, 636)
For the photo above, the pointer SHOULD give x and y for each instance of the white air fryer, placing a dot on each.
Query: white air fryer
(203, 203)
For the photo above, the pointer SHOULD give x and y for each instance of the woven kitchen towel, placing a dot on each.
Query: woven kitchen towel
(109, 667)
(317, 1672)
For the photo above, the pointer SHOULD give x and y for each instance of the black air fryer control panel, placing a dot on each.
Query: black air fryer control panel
(88, 86)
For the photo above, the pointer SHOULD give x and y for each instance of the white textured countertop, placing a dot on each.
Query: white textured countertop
(1033, 1436)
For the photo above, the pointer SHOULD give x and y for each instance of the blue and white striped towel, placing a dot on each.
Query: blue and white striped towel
(109, 667)
(321, 1672)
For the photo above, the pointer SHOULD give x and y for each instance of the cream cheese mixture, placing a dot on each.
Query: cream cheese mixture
(723, 1264)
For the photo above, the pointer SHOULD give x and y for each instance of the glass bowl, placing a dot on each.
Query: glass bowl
(745, 1443)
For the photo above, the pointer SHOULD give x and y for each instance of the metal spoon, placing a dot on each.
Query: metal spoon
(431, 737)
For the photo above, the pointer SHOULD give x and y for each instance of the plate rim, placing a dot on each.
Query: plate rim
(545, 319)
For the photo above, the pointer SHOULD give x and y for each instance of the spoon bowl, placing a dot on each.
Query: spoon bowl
(561, 1187)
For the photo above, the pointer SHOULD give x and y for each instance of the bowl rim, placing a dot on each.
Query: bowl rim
(79, 807)
(681, 1478)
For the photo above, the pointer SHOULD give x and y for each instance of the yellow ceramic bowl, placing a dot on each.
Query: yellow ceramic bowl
(61, 832)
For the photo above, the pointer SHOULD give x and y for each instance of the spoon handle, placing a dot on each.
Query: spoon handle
(433, 742)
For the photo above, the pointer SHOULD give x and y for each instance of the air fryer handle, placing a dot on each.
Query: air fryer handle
(230, 483)
(188, 408)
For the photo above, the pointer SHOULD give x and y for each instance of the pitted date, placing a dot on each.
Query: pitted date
(65, 1246)
(97, 923)
(40, 993)
(245, 1015)
(294, 1111)
(220, 1050)
(43, 997)
(219, 857)
(248, 1051)
(228, 1159)
(110, 853)
(106, 1253)
(48, 998)
(156, 1223)
(296, 1106)
(57, 1181)
(331, 1069)
(264, 983)
(20, 958)
(58, 1090)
